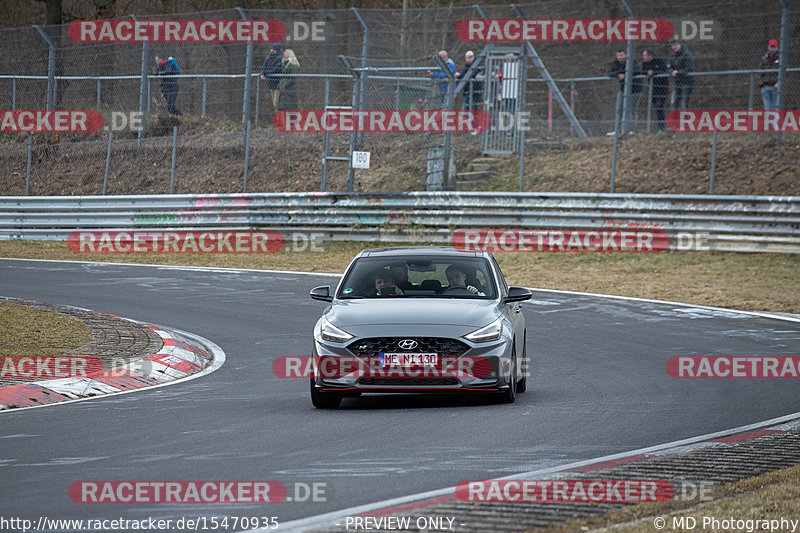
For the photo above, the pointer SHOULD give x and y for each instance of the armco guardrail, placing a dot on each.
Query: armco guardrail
(732, 223)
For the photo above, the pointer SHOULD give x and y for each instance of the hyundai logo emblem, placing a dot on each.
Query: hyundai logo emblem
(407, 344)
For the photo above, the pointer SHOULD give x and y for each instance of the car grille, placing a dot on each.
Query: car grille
(409, 382)
(441, 346)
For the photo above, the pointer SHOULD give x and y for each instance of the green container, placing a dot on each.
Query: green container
(412, 96)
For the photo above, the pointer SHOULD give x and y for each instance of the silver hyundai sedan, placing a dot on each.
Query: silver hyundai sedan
(420, 319)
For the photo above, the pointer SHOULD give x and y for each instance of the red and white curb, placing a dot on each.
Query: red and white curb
(184, 356)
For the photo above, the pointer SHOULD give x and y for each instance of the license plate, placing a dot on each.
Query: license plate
(408, 359)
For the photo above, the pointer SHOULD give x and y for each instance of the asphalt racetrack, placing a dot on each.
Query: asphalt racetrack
(599, 387)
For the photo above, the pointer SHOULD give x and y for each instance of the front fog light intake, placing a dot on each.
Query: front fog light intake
(332, 333)
(491, 332)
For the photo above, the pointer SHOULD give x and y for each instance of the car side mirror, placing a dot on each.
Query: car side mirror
(323, 293)
(517, 294)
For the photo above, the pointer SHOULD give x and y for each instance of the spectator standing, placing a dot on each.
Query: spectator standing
(440, 74)
(617, 70)
(681, 67)
(168, 73)
(273, 64)
(473, 90)
(288, 85)
(769, 77)
(652, 65)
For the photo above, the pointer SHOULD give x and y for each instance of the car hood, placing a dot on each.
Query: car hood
(413, 311)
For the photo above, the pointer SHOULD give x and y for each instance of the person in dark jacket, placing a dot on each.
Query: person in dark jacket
(617, 70)
(473, 90)
(769, 76)
(169, 83)
(681, 66)
(288, 85)
(651, 66)
(273, 65)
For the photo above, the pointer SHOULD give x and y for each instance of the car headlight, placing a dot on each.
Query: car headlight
(491, 332)
(332, 333)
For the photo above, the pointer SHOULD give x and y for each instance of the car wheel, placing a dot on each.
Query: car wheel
(509, 395)
(324, 400)
(522, 385)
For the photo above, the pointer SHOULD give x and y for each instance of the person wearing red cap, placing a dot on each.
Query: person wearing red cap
(769, 77)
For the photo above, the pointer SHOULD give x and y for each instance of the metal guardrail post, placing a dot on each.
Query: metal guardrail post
(248, 71)
(246, 155)
(539, 64)
(51, 68)
(108, 161)
(144, 90)
(172, 171)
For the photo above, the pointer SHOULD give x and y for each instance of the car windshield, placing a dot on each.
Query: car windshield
(419, 277)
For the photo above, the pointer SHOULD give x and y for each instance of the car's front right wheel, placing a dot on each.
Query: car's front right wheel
(510, 394)
(324, 400)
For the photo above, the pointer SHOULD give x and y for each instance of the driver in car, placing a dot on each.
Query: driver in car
(457, 279)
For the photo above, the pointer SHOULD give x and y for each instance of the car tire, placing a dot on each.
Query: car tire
(324, 400)
(522, 385)
(510, 394)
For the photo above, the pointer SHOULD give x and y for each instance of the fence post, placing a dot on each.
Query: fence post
(203, 105)
(172, 171)
(13, 93)
(246, 155)
(649, 102)
(28, 173)
(362, 85)
(144, 89)
(752, 90)
(713, 163)
(258, 97)
(617, 125)
(325, 139)
(539, 64)
(248, 70)
(108, 160)
(98, 93)
(51, 68)
(448, 105)
(782, 58)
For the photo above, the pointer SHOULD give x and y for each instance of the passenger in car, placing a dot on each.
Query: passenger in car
(385, 284)
(400, 273)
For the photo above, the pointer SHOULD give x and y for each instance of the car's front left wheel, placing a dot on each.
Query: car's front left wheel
(510, 394)
(324, 400)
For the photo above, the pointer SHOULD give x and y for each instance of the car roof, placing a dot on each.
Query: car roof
(395, 251)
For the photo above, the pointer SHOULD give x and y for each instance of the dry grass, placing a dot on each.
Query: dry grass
(754, 282)
(26, 331)
(769, 496)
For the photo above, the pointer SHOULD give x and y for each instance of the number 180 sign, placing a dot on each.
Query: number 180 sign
(360, 159)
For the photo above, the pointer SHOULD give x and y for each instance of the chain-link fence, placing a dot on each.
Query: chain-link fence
(389, 52)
